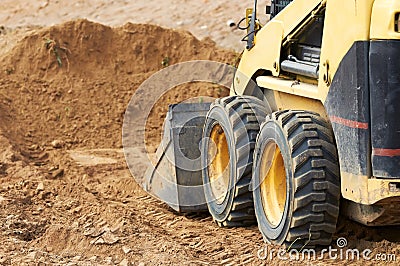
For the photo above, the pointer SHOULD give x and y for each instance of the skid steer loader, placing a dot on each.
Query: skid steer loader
(319, 129)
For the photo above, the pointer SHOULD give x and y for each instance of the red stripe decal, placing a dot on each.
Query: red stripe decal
(348, 123)
(386, 152)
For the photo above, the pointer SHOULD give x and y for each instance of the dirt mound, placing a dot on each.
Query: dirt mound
(71, 83)
(90, 50)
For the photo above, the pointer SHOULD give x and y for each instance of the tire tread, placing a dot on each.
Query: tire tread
(245, 115)
(316, 177)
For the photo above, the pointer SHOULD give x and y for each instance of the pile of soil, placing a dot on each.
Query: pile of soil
(72, 82)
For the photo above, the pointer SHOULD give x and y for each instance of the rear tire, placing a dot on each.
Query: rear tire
(296, 180)
(229, 135)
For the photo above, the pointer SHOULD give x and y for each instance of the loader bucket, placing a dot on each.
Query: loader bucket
(176, 176)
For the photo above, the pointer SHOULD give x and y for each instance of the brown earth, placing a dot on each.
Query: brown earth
(82, 98)
(66, 196)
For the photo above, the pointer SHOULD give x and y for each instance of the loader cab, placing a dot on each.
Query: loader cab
(277, 6)
(300, 57)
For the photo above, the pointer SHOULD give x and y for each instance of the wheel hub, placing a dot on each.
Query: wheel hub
(218, 169)
(273, 185)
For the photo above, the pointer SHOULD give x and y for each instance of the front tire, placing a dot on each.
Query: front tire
(229, 135)
(296, 180)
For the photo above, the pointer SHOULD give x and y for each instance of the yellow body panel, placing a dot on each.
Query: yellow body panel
(364, 190)
(382, 19)
(287, 101)
(339, 37)
(289, 86)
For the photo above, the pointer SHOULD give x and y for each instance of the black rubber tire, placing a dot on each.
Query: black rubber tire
(240, 118)
(312, 179)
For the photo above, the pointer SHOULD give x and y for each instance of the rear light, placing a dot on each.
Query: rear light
(397, 22)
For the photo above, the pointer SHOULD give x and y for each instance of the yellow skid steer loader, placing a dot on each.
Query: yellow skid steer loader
(312, 120)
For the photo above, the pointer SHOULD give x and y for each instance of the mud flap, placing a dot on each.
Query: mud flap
(176, 176)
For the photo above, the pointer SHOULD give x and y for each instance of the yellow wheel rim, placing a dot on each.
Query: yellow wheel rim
(218, 169)
(273, 184)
